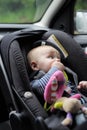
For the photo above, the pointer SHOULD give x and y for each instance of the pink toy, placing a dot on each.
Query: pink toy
(55, 87)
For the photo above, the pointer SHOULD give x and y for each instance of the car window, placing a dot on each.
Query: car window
(81, 17)
(22, 11)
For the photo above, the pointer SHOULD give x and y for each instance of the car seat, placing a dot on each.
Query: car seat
(28, 112)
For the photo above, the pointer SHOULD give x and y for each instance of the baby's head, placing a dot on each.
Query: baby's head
(42, 57)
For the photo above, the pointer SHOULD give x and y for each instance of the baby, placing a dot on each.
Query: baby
(44, 61)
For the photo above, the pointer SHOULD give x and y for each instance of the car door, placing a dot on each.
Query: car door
(80, 24)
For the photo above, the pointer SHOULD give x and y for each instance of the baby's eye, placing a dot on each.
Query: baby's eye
(50, 57)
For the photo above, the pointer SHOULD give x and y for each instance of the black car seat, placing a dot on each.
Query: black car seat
(28, 113)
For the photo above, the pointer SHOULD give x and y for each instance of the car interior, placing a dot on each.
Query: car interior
(18, 111)
(28, 112)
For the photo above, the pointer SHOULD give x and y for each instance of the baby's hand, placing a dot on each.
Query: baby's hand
(59, 65)
(82, 85)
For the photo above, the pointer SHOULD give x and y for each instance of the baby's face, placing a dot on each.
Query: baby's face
(45, 56)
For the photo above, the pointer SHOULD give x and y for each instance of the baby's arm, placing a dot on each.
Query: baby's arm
(82, 85)
(39, 84)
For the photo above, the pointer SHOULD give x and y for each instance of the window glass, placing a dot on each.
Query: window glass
(22, 11)
(81, 17)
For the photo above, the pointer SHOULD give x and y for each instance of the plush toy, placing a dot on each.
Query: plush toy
(53, 95)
